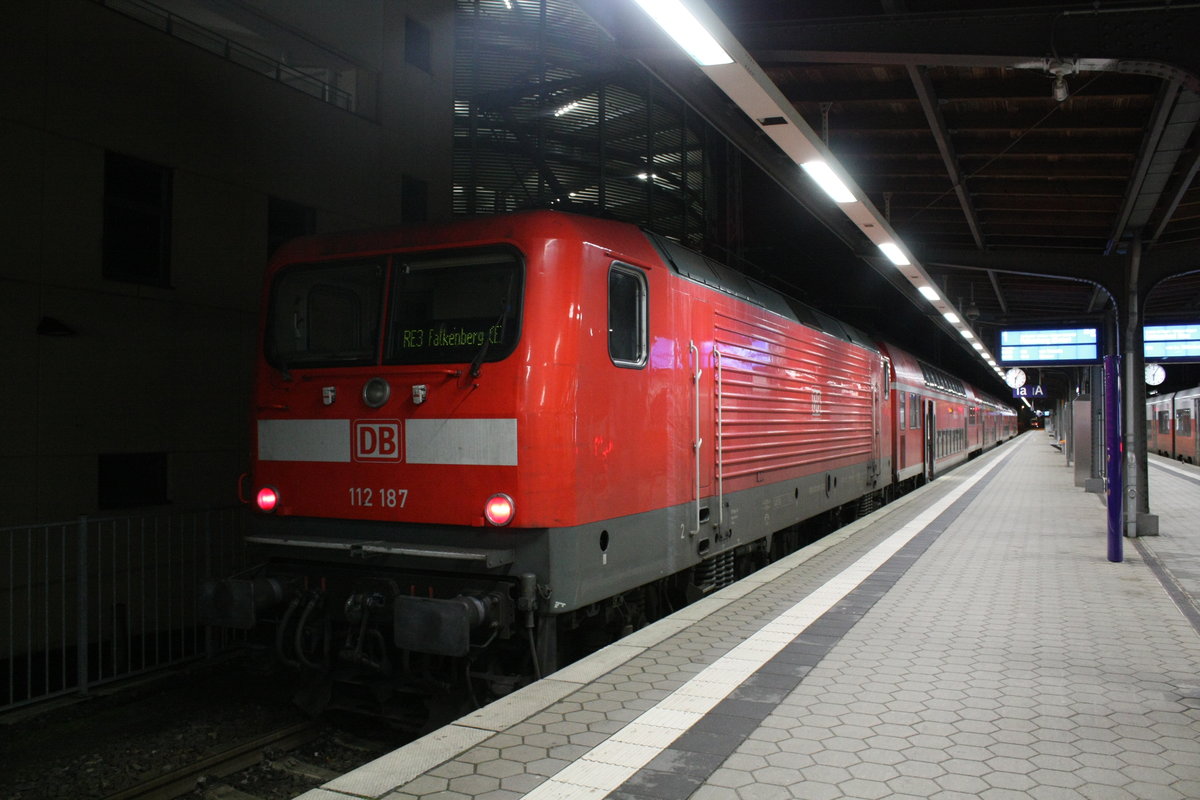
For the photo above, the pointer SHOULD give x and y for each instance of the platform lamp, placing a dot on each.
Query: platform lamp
(697, 30)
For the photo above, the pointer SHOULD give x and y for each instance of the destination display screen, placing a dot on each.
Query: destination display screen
(1059, 345)
(1179, 342)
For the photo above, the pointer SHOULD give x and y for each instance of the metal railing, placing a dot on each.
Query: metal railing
(194, 33)
(99, 599)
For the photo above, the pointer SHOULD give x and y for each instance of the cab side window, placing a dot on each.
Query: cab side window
(628, 342)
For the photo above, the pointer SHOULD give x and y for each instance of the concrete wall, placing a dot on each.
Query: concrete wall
(154, 369)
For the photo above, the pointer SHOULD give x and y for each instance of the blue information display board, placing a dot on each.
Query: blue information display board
(1055, 346)
(1179, 342)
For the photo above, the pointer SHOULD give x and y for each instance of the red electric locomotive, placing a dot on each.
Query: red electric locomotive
(474, 441)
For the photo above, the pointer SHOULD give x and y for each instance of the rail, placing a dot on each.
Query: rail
(104, 598)
(181, 780)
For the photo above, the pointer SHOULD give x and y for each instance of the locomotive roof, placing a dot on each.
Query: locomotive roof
(704, 270)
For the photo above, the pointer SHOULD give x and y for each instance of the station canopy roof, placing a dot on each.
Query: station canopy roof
(1022, 151)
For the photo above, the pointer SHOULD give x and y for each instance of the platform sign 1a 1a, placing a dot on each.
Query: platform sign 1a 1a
(1029, 391)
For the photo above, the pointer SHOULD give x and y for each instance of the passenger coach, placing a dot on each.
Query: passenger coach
(1171, 425)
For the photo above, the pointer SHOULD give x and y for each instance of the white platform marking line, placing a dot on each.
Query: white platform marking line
(609, 764)
(1170, 466)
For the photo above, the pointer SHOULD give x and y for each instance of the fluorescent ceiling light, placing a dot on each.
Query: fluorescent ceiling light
(686, 30)
(928, 292)
(825, 177)
(966, 333)
(894, 254)
(951, 317)
(978, 345)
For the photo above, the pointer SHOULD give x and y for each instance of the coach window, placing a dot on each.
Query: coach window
(627, 339)
(914, 412)
(1183, 422)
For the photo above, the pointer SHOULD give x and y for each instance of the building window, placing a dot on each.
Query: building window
(137, 221)
(627, 340)
(414, 199)
(418, 50)
(287, 220)
(131, 480)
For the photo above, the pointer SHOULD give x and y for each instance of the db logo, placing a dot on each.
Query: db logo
(377, 440)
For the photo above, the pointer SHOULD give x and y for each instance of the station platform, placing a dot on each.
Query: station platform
(970, 640)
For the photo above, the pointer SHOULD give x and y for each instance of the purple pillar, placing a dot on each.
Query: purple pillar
(1113, 442)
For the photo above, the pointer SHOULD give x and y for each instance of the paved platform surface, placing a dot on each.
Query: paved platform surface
(1175, 498)
(969, 641)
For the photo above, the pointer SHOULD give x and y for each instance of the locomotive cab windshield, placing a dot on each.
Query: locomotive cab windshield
(325, 315)
(441, 309)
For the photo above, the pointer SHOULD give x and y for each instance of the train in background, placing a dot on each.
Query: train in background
(1171, 425)
(482, 444)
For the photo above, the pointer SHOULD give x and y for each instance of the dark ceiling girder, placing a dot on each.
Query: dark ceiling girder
(1138, 195)
(1107, 272)
(991, 273)
(1159, 41)
(1187, 175)
(937, 125)
(1110, 273)
(1180, 127)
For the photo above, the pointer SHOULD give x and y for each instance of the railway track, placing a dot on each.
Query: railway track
(205, 734)
(179, 782)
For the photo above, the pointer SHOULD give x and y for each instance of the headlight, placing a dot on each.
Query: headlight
(499, 510)
(267, 499)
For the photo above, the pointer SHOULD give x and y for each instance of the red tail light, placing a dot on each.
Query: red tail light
(267, 499)
(499, 510)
